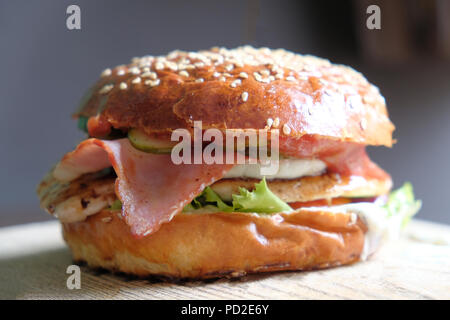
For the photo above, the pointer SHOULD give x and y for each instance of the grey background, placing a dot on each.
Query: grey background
(45, 68)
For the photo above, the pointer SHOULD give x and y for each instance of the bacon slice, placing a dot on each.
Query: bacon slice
(151, 187)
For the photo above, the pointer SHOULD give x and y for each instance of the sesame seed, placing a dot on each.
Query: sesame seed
(152, 83)
(106, 88)
(235, 83)
(269, 123)
(136, 80)
(243, 75)
(244, 96)
(135, 70)
(257, 76)
(199, 80)
(276, 122)
(184, 73)
(173, 54)
(146, 74)
(172, 65)
(144, 65)
(222, 78)
(106, 72)
(121, 72)
(286, 129)
(272, 65)
(123, 86)
(185, 61)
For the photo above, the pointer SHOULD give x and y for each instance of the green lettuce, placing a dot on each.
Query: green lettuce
(401, 203)
(212, 197)
(116, 205)
(82, 123)
(260, 200)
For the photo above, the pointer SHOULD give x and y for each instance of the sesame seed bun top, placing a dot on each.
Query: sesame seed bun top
(242, 88)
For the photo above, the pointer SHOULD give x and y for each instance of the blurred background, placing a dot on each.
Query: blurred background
(45, 68)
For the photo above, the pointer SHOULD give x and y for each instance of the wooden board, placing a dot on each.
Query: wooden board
(34, 259)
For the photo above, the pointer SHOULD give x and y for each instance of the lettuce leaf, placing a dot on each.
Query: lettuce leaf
(260, 200)
(116, 205)
(212, 197)
(401, 203)
(82, 123)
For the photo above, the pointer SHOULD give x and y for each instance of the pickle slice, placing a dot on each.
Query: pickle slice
(151, 144)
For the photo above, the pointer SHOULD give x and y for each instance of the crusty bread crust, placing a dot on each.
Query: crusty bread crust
(220, 244)
(243, 88)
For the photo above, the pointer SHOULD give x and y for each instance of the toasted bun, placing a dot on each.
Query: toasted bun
(243, 88)
(193, 245)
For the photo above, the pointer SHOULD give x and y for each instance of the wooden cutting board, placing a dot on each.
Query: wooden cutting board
(34, 260)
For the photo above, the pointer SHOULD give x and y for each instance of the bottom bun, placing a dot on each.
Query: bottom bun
(211, 245)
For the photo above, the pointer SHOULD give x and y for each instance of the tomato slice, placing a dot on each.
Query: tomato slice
(98, 127)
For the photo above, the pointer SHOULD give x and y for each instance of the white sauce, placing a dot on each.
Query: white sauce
(380, 227)
(287, 169)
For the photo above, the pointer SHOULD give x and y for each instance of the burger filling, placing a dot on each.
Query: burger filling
(148, 189)
(287, 169)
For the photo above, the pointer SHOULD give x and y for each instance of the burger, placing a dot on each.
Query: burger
(125, 205)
